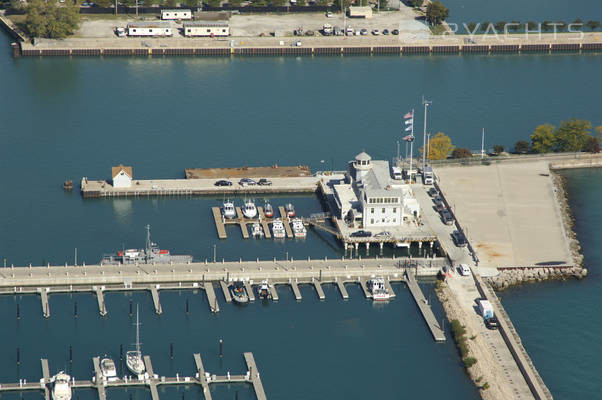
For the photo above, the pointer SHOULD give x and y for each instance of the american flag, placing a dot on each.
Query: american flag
(408, 138)
(409, 121)
(409, 128)
(409, 115)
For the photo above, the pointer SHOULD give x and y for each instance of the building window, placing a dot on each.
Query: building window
(394, 220)
(383, 210)
(223, 30)
(394, 209)
(133, 30)
(372, 221)
(372, 210)
(383, 220)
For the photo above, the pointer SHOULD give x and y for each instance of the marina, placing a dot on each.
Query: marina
(150, 380)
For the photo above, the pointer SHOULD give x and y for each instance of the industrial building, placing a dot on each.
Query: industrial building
(156, 28)
(206, 28)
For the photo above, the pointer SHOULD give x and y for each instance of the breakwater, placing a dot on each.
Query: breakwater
(509, 277)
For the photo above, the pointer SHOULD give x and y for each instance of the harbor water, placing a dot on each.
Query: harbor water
(67, 118)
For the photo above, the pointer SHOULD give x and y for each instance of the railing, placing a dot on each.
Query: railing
(515, 158)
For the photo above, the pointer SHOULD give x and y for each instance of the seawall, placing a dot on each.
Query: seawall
(509, 277)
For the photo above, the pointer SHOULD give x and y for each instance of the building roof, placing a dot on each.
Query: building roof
(149, 24)
(203, 24)
(182, 10)
(116, 170)
(356, 11)
(363, 156)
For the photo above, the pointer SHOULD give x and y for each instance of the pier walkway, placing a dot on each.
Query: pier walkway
(424, 308)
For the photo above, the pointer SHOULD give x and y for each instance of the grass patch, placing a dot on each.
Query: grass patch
(469, 361)
(485, 386)
(438, 29)
(459, 333)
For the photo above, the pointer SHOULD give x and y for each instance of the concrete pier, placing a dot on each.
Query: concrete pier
(101, 301)
(201, 376)
(389, 288)
(219, 223)
(46, 377)
(242, 223)
(99, 379)
(254, 376)
(45, 304)
(264, 223)
(285, 222)
(319, 290)
(273, 292)
(249, 289)
(364, 286)
(156, 301)
(151, 381)
(296, 291)
(424, 308)
(342, 289)
(213, 305)
(226, 292)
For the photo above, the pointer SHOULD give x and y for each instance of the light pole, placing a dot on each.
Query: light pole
(426, 104)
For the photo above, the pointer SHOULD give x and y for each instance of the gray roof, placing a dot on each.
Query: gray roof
(149, 24)
(208, 24)
(181, 10)
(378, 179)
(363, 156)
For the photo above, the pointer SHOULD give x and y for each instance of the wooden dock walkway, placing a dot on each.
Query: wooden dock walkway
(213, 305)
(99, 379)
(45, 304)
(285, 222)
(249, 289)
(342, 288)
(156, 301)
(102, 309)
(151, 381)
(319, 290)
(425, 309)
(389, 288)
(362, 281)
(254, 376)
(296, 291)
(226, 291)
(219, 223)
(273, 292)
(264, 223)
(242, 223)
(46, 378)
(201, 376)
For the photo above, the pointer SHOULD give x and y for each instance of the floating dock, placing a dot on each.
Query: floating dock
(425, 308)
(101, 301)
(45, 305)
(319, 290)
(213, 305)
(285, 222)
(226, 291)
(296, 291)
(342, 289)
(219, 223)
(156, 301)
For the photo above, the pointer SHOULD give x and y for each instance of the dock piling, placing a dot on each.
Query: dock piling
(18, 356)
(171, 350)
(221, 348)
(131, 308)
(187, 306)
(18, 312)
(75, 310)
(70, 354)
(121, 352)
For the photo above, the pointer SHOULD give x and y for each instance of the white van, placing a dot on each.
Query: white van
(464, 270)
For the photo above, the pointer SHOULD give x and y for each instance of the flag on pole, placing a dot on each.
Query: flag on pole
(408, 138)
(409, 121)
(408, 128)
(409, 115)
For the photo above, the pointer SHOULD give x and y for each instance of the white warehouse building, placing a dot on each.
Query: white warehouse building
(158, 28)
(372, 197)
(206, 28)
(176, 14)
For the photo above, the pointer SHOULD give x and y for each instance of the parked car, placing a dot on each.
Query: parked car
(349, 31)
(375, 32)
(433, 192)
(309, 33)
(297, 43)
(223, 182)
(395, 31)
(338, 31)
(492, 323)
(446, 217)
(361, 234)
(363, 31)
(264, 182)
(329, 14)
(439, 205)
(247, 182)
(385, 32)
(459, 239)
(383, 234)
(464, 270)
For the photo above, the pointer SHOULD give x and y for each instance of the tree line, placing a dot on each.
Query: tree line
(546, 26)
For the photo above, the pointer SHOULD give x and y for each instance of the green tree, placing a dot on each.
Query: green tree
(416, 3)
(577, 23)
(499, 26)
(341, 4)
(531, 25)
(278, 3)
(546, 26)
(521, 147)
(213, 3)
(301, 2)
(461, 153)
(543, 138)
(572, 134)
(592, 145)
(147, 3)
(171, 3)
(51, 20)
(104, 3)
(485, 26)
(440, 146)
(471, 27)
(514, 26)
(234, 3)
(560, 25)
(436, 13)
(498, 148)
(593, 25)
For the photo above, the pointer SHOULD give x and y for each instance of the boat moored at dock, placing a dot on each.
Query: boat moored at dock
(268, 210)
(290, 210)
(150, 254)
(133, 359)
(263, 291)
(257, 230)
(109, 371)
(61, 386)
(239, 293)
(298, 229)
(378, 289)
(228, 210)
(249, 210)
(278, 230)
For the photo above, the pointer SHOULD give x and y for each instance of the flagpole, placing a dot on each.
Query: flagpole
(412, 146)
(426, 104)
(482, 143)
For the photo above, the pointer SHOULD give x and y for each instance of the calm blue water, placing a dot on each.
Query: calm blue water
(68, 118)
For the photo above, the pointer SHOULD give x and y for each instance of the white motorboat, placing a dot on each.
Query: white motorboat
(133, 358)
(257, 230)
(108, 369)
(290, 210)
(239, 293)
(61, 386)
(249, 210)
(298, 229)
(402, 244)
(378, 289)
(268, 210)
(263, 291)
(228, 209)
(278, 230)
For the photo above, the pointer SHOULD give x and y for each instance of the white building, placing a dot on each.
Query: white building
(122, 176)
(157, 28)
(371, 196)
(176, 14)
(360, 12)
(206, 28)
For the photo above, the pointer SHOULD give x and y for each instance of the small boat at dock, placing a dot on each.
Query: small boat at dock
(133, 358)
(278, 230)
(108, 369)
(249, 210)
(378, 289)
(61, 386)
(263, 291)
(268, 210)
(239, 293)
(257, 230)
(290, 210)
(298, 229)
(228, 210)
